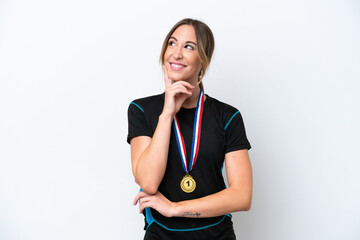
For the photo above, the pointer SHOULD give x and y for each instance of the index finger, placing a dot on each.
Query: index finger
(166, 77)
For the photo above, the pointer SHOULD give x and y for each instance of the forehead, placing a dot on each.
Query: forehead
(185, 33)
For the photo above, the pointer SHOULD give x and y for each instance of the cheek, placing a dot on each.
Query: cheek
(167, 54)
(197, 64)
(195, 60)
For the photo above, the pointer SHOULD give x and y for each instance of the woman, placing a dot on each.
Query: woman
(179, 140)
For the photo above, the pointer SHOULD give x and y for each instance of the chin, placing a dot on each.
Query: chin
(175, 77)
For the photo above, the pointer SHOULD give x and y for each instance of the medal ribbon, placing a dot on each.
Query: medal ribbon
(195, 138)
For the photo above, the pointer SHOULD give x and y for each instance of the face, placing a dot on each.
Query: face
(181, 56)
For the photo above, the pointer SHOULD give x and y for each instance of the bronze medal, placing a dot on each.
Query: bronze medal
(188, 184)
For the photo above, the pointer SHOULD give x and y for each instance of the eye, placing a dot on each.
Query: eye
(171, 43)
(189, 47)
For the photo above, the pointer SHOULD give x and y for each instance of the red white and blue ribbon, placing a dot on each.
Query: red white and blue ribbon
(195, 138)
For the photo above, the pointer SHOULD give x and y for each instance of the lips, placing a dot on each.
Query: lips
(177, 66)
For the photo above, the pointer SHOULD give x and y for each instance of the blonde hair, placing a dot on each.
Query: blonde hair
(205, 44)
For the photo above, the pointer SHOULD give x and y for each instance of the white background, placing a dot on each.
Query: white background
(69, 69)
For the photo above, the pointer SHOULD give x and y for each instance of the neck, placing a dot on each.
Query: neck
(191, 101)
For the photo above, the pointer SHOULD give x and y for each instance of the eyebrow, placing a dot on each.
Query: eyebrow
(185, 42)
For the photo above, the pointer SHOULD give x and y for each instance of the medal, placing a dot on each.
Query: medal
(188, 183)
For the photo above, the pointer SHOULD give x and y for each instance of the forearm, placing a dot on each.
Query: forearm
(226, 201)
(237, 197)
(151, 165)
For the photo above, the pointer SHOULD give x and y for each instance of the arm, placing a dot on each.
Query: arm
(149, 155)
(237, 197)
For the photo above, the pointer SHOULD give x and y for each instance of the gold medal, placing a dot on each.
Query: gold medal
(188, 184)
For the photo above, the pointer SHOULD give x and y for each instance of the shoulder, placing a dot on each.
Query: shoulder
(148, 103)
(224, 107)
(224, 110)
(233, 125)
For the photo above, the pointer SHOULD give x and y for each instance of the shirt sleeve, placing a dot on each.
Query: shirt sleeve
(137, 124)
(235, 133)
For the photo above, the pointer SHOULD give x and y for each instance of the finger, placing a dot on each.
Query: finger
(136, 199)
(181, 89)
(185, 84)
(138, 196)
(166, 77)
(143, 201)
(183, 97)
(144, 205)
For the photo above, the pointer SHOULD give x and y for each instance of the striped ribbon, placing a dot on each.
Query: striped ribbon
(195, 138)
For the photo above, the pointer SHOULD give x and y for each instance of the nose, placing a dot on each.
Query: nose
(178, 52)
